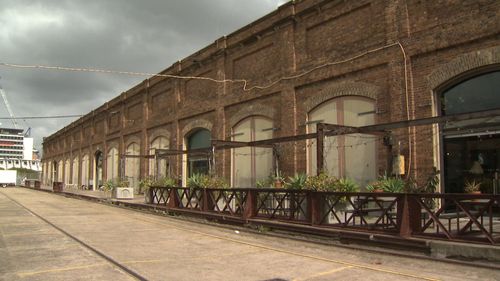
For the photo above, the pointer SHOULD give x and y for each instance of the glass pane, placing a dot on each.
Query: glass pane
(242, 157)
(360, 149)
(263, 156)
(199, 139)
(476, 94)
(326, 113)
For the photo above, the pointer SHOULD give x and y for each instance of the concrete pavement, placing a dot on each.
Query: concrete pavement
(108, 241)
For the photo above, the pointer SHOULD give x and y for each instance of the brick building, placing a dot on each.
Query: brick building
(348, 62)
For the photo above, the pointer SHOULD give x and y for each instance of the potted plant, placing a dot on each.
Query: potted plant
(279, 180)
(167, 182)
(296, 182)
(121, 189)
(390, 184)
(108, 187)
(321, 182)
(346, 185)
(374, 187)
(145, 184)
(472, 187)
(195, 181)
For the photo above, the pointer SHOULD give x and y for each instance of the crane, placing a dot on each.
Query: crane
(7, 105)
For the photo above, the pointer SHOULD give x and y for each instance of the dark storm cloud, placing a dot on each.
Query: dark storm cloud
(143, 36)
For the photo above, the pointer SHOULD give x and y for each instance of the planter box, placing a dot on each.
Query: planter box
(57, 186)
(123, 193)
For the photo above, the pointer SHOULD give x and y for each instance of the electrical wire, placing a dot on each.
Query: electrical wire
(242, 81)
(42, 117)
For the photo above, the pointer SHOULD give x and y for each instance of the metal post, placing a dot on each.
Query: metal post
(157, 166)
(122, 170)
(320, 142)
(213, 159)
(250, 205)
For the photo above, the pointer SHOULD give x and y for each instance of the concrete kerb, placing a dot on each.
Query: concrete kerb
(445, 249)
(439, 250)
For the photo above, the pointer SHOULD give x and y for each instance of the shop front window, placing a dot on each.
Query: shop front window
(472, 147)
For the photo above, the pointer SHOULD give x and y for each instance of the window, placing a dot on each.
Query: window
(67, 170)
(132, 164)
(98, 159)
(354, 155)
(74, 179)
(250, 164)
(463, 97)
(471, 148)
(161, 164)
(198, 163)
(112, 164)
(85, 170)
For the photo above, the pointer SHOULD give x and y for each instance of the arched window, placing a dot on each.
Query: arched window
(132, 164)
(475, 94)
(60, 167)
(75, 171)
(53, 171)
(85, 170)
(198, 163)
(98, 159)
(250, 164)
(158, 167)
(354, 155)
(112, 164)
(471, 148)
(67, 175)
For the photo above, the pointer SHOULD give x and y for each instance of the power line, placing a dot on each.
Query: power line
(41, 117)
(245, 82)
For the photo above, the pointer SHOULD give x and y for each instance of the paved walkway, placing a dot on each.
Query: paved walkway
(138, 198)
(61, 238)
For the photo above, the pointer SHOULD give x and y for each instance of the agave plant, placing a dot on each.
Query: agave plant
(167, 182)
(296, 182)
(195, 181)
(206, 181)
(374, 187)
(347, 185)
(472, 186)
(392, 184)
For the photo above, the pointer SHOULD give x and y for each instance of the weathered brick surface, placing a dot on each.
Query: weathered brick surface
(442, 41)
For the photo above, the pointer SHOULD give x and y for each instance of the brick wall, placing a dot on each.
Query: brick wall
(441, 40)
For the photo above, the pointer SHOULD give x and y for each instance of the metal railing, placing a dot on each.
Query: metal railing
(455, 217)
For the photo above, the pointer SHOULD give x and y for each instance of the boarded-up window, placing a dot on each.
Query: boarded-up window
(251, 163)
(354, 155)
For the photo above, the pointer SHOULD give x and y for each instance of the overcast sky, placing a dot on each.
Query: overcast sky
(126, 35)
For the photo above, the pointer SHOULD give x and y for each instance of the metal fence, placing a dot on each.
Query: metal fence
(456, 217)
